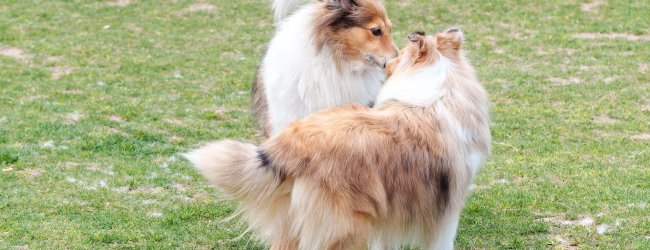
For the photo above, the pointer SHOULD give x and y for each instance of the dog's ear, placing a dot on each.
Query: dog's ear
(344, 4)
(419, 40)
(417, 37)
(451, 39)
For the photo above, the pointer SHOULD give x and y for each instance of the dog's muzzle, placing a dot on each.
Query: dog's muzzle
(371, 59)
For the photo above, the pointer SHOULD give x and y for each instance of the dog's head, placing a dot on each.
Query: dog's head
(422, 51)
(356, 30)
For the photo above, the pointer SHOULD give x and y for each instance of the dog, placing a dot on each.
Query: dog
(353, 177)
(327, 53)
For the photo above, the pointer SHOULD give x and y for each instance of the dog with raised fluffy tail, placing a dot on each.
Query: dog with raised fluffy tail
(354, 177)
(324, 54)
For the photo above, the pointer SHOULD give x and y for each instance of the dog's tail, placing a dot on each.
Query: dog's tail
(282, 8)
(241, 170)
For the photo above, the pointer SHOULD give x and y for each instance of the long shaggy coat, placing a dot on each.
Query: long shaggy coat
(352, 177)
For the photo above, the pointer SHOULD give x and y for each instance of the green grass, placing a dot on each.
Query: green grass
(89, 158)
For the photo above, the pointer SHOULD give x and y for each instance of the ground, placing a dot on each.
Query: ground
(97, 99)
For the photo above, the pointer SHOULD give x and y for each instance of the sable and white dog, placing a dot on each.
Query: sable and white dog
(352, 177)
(327, 53)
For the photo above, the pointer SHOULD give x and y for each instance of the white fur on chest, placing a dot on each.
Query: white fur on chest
(299, 81)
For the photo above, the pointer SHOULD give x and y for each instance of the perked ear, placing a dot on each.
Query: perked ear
(344, 4)
(451, 39)
(417, 37)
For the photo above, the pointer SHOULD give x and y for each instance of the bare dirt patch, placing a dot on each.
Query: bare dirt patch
(53, 59)
(48, 144)
(587, 68)
(592, 6)
(119, 3)
(567, 51)
(609, 80)
(71, 164)
(73, 117)
(540, 51)
(178, 186)
(602, 229)
(626, 36)
(565, 81)
(587, 221)
(155, 214)
(643, 67)
(174, 121)
(145, 190)
(117, 131)
(133, 27)
(605, 119)
(584, 221)
(564, 244)
(15, 53)
(644, 136)
(174, 138)
(33, 172)
(558, 220)
(93, 167)
(116, 118)
(59, 71)
(645, 107)
(31, 98)
(199, 7)
(72, 92)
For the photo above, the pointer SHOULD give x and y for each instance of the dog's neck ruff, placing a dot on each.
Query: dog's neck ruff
(300, 79)
(420, 87)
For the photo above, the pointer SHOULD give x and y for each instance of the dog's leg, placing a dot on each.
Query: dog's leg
(327, 220)
(283, 239)
(354, 240)
(446, 232)
(380, 241)
(378, 245)
(352, 231)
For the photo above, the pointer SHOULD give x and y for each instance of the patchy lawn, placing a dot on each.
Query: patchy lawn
(97, 98)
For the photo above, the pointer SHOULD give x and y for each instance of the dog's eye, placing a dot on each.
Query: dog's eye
(376, 32)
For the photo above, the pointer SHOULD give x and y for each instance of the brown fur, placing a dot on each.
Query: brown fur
(341, 177)
(348, 29)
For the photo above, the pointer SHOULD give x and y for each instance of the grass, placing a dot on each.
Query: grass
(96, 101)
